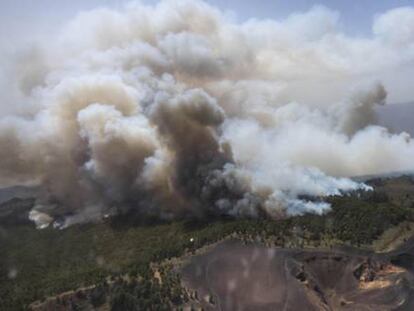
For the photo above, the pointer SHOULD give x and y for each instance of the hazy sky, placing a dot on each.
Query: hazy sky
(356, 16)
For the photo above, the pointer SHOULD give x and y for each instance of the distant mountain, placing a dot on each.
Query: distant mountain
(397, 117)
(21, 192)
(16, 212)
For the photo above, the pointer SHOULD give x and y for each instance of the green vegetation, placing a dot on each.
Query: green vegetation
(52, 261)
(35, 264)
(394, 237)
(147, 293)
(360, 222)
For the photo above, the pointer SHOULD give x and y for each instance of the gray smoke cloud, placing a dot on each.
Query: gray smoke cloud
(175, 109)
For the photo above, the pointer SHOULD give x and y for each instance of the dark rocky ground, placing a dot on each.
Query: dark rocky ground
(236, 276)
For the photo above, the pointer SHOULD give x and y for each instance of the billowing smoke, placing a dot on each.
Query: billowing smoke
(176, 109)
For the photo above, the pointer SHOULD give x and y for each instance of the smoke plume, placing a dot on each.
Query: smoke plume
(176, 109)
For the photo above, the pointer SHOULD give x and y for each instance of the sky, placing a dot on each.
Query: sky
(356, 16)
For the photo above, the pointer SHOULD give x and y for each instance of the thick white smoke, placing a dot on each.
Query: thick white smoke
(175, 109)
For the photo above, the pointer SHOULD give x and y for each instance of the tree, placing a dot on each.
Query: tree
(124, 302)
